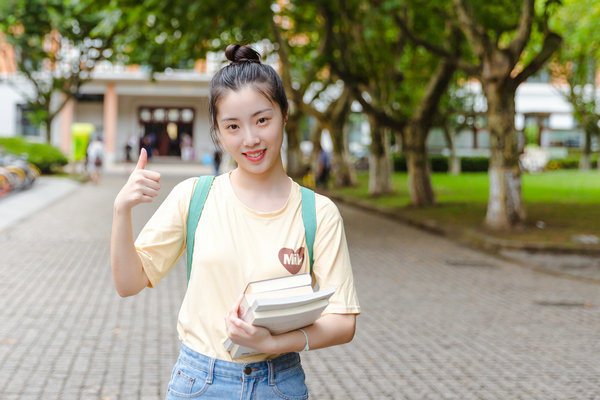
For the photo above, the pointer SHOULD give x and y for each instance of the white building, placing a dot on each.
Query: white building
(123, 103)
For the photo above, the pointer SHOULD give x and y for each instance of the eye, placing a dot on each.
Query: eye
(262, 120)
(231, 127)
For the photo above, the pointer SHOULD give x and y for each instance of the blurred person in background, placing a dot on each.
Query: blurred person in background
(95, 159)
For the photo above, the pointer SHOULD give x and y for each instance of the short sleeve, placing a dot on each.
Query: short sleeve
(332, 267)
(162, 240)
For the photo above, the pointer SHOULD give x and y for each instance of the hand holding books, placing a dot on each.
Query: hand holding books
(278, 305)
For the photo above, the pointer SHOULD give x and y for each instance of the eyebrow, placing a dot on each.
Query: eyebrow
(253, 115)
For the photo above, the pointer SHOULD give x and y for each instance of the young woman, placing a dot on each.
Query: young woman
(251, 215)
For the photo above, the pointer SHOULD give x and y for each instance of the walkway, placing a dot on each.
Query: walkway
(439, 321)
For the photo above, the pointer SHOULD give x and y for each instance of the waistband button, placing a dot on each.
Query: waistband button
(247, 370)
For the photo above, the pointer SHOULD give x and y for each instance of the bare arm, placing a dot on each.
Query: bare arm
(141, 187)
(329, 330)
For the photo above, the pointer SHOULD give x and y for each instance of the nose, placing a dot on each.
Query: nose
(250, 137)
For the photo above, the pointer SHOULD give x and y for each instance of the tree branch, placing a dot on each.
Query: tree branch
(475, 33)
(467, 67)
(520, 40)
(420, 41)
(552, 42)
(384, 118)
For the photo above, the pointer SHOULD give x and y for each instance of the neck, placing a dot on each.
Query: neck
(270, 182)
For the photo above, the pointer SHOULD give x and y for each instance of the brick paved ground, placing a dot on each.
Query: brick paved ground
(439, 321)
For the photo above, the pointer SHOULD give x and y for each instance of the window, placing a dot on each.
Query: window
(541, 76)
(24, 126)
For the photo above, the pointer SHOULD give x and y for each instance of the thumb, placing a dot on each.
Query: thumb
(236, 310)
(141, 164)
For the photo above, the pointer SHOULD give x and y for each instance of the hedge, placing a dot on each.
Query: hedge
(567, 163)
(440, 163)
(46, 157)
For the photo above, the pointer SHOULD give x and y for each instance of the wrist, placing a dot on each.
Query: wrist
(305, 336)
(121, 209)
(270, 345)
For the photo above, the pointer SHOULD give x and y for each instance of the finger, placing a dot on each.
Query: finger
(143, 160)
(237, 327)
(149, 183)
(246, 328)
(236, 307)
(148, 193)
(155, 176)
(146, 199)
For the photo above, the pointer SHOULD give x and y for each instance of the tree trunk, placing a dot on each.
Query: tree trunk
(380, 163)
(415, 138)
(341, 167)
(335, 120)
(453, 161)
(505, 206)
(585, 163)
(294, 155)
(419, 181)
(315, 138)
(47, 125)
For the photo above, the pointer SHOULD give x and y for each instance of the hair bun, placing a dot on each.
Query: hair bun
(238, 54)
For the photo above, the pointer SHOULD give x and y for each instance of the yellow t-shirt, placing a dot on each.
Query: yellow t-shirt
(235, 245)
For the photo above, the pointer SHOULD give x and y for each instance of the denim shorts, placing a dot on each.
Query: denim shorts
(196, 376)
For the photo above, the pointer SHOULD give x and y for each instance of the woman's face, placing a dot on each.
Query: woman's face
(251, 130)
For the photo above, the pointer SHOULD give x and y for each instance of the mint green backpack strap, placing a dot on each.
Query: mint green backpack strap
(196, 205)
(309, 218)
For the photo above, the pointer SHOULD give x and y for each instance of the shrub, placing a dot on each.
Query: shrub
(474, 164)
(440, 163)
(562, 163)
(44, 156)
(399, 162)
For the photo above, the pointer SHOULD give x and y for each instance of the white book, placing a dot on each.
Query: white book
(280, 308)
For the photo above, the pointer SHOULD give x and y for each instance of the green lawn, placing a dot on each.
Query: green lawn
(563, 203)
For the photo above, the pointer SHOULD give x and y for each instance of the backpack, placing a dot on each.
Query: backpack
(201, 189)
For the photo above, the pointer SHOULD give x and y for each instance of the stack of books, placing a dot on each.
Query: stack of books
(280, 305)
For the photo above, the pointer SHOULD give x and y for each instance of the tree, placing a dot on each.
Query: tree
(302, 65)
(578, 63)
(499, 34)
(457, 113)
(335, 119)
(57, 44)
(399, 85)
(352, 34)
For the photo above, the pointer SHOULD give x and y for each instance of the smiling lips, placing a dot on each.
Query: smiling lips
(255, 156)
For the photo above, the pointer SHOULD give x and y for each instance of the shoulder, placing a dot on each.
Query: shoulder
(186, 186)
(182, 192)
(324, 206)
(326, 209)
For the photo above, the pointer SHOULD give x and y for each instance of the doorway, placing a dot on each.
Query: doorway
(164, 129)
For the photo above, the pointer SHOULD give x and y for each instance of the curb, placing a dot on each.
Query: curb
(471, 236)
(45, 191)
(481, 241)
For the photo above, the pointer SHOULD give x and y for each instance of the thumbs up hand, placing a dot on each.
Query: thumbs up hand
(141, 187)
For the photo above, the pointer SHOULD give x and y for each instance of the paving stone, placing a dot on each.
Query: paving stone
(440, 321)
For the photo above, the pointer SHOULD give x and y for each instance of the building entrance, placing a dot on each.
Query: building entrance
(167, 131)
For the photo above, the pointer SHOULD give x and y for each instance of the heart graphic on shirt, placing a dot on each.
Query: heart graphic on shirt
(291, 260)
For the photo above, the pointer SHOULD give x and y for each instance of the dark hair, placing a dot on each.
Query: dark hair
(244, 69)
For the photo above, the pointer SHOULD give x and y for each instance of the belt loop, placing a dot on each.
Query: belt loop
(271, 372)
(211, 367)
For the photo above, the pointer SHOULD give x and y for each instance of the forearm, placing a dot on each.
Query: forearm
(126, 265)
(329, 330)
